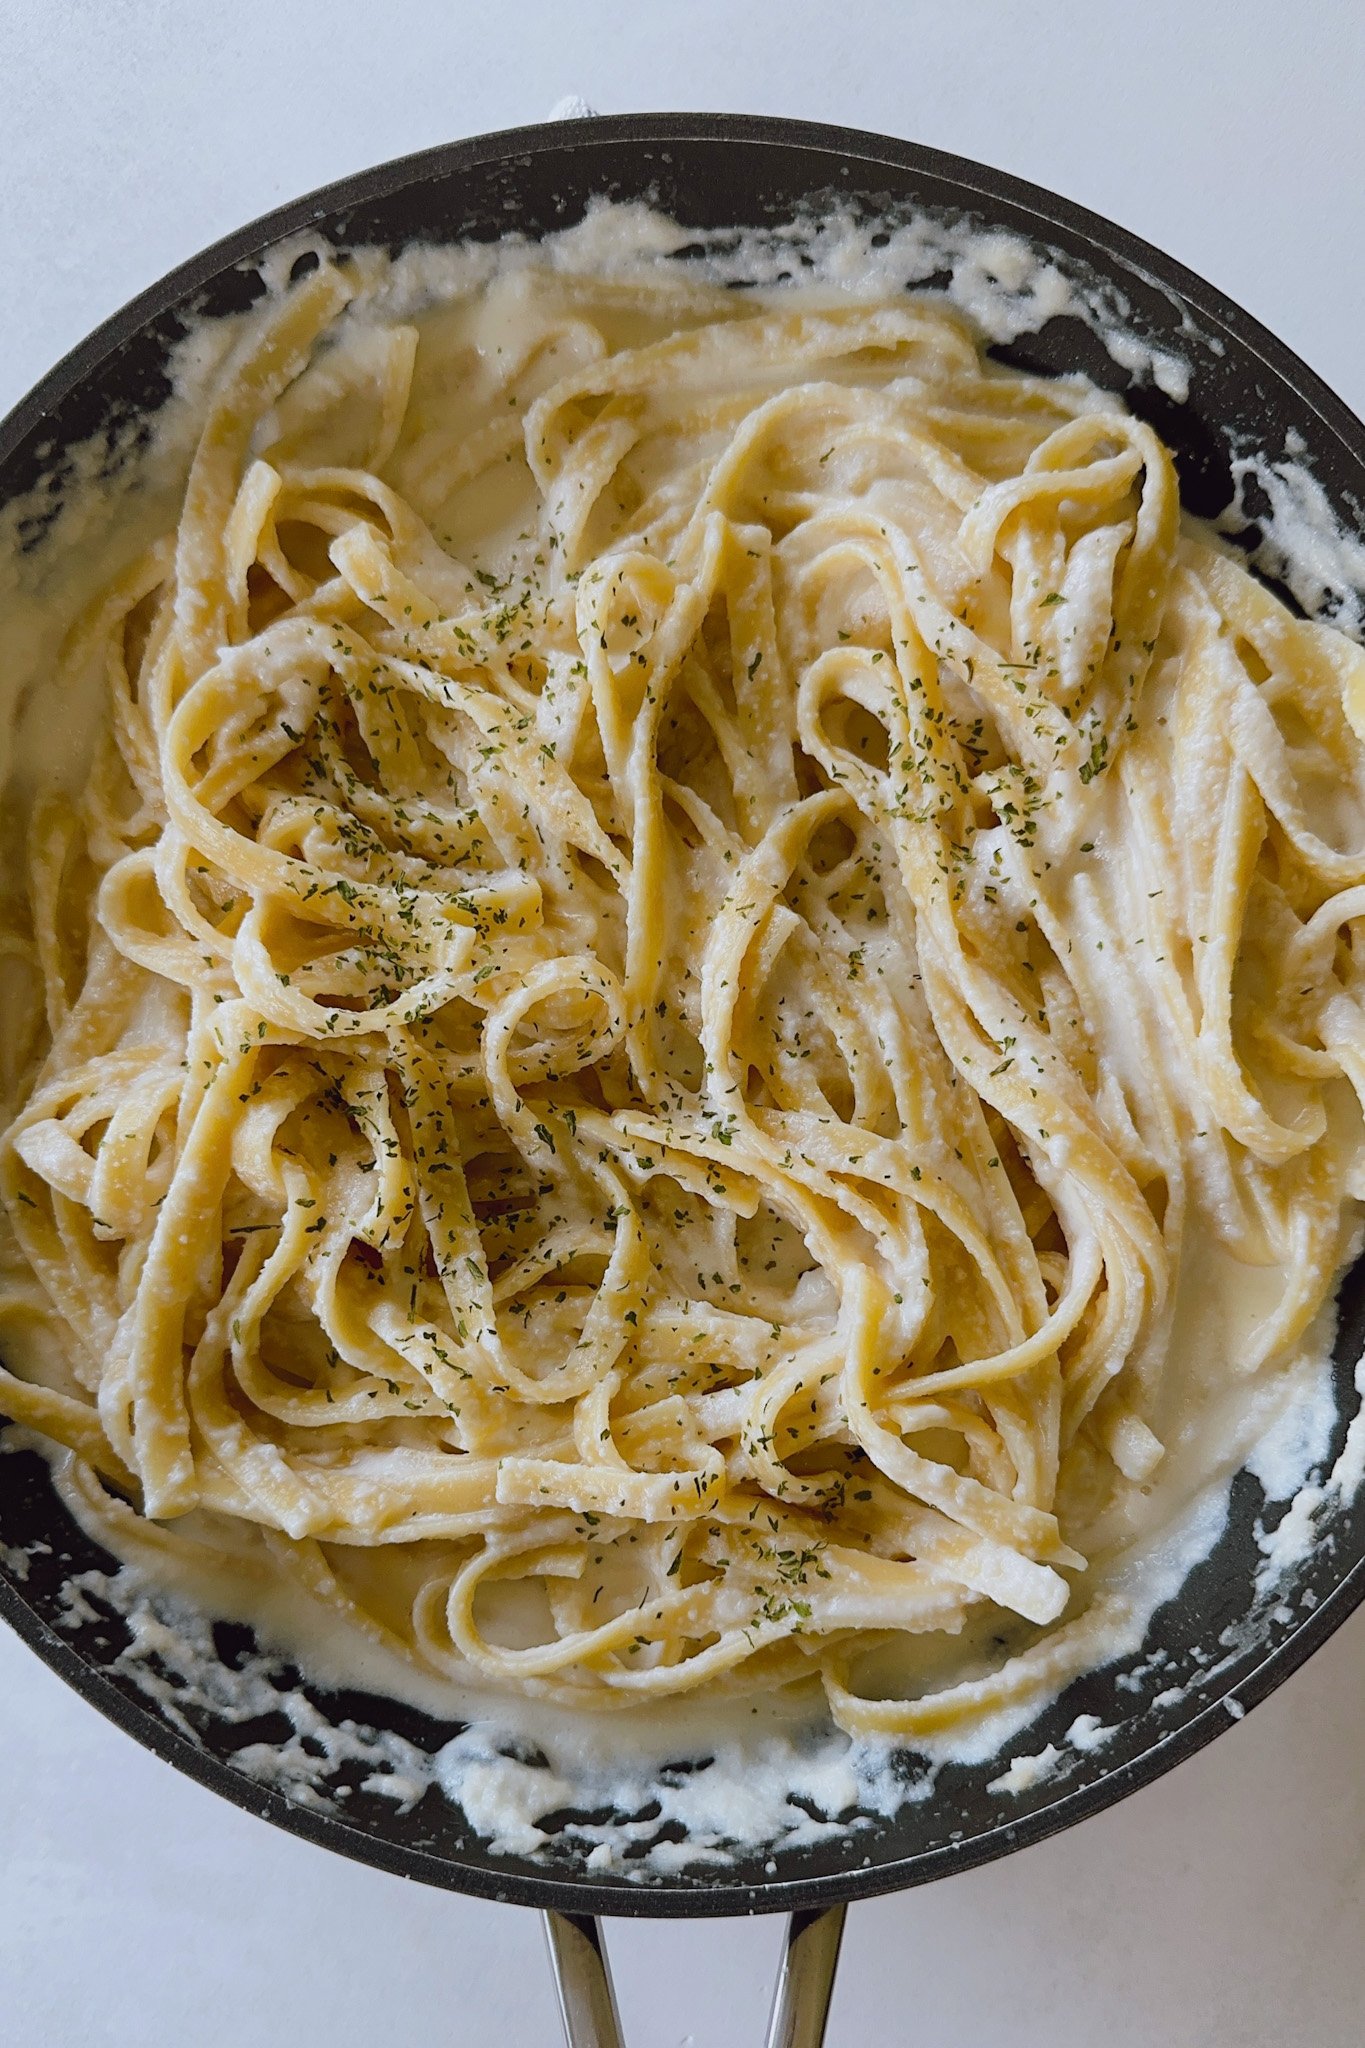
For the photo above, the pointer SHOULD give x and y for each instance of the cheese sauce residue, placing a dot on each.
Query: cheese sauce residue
(686, 1036)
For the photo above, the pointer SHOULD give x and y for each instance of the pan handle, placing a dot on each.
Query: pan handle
(801, 1998)
(805, 1980)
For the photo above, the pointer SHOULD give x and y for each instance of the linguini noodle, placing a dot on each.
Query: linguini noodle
(626, 1112)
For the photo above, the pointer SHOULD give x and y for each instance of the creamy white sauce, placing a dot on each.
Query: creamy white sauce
(1303, 544)
(758, 1765)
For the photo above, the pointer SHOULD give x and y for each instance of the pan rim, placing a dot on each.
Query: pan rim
(1114, 248)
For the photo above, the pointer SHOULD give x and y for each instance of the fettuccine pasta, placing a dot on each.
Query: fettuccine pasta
(676, 919)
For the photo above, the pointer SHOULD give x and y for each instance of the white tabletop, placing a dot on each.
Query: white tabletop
(1221, 1908)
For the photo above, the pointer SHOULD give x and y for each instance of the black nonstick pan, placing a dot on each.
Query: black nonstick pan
(1220, 1651)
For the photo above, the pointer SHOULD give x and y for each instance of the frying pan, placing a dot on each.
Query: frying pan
(1213, 1651)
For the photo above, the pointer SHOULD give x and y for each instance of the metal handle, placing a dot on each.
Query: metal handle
(805, 1981)
(801, 1998)
(587, 2002)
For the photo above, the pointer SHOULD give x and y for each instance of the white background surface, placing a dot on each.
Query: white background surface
(1222, 1906)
